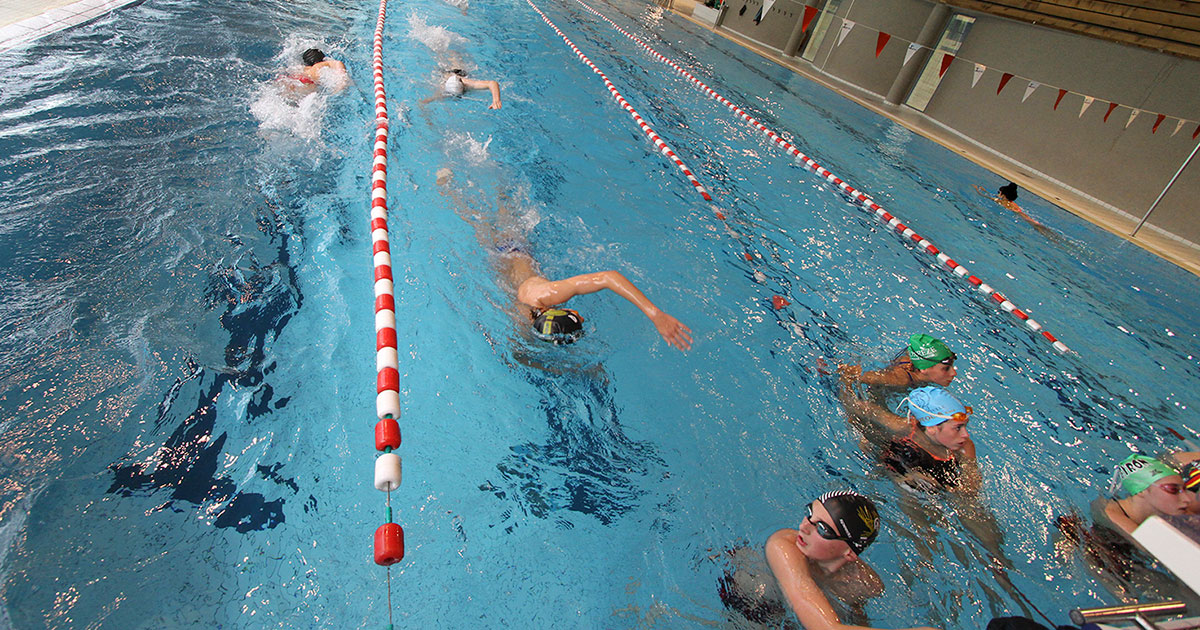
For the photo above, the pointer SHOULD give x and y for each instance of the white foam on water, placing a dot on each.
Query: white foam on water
(436, 38)
(461, 145)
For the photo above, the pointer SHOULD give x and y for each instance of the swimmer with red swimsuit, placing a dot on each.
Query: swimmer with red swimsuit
(315, 62)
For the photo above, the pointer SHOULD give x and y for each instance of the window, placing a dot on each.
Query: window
(952, 39)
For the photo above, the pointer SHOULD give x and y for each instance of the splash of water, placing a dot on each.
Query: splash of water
(436, 38)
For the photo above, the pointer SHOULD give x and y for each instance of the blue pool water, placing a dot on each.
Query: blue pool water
(186, 331)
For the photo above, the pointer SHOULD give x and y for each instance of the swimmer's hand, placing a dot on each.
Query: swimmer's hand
(849, 373)
(673, 331)
(920, 481)
(495, 104)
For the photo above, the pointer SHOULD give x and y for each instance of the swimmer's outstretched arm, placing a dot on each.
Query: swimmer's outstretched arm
(672, 330)
(871, 412)
(491, 86)
(894, 376)
(791, 570)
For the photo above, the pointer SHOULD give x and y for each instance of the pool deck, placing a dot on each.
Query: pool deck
(1120, 223)
(23, 21)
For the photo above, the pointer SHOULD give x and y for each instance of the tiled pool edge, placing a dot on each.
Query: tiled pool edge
(53, 20)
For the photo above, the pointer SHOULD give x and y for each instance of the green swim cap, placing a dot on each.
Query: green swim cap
(926, 352)
(1137, 472)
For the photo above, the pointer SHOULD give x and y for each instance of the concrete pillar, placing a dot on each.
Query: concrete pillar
(935, 24)
(793, 43)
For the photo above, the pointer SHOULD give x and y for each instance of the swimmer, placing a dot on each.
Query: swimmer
(924, 361)
(306, 79)
(539, 298)
(820, 558)
(1190, 473)
(1153, 489)
(1006, 197)
(930, 448)
(455, 83)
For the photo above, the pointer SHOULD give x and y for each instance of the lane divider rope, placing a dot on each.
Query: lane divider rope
(865, 201)
(389, 537)
(650, 133)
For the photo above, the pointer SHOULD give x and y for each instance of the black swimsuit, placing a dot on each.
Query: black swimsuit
(904, 454)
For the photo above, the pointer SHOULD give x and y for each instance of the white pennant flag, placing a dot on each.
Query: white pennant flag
(1087, 102)
(1178, 126)
(1033, 85)
(912, 48)
(979, 68)
(846, 26)
(1133, 114)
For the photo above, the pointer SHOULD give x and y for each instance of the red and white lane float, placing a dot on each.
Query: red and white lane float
(865, 201)
(389, 537)
(650, 133)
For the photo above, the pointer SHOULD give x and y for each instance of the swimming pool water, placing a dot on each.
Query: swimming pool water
(187, 381)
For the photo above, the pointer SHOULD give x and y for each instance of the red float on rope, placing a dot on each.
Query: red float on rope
(387, 434)
(389, 544)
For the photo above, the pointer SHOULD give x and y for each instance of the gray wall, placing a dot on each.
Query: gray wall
(1125, 168)
(775, 27)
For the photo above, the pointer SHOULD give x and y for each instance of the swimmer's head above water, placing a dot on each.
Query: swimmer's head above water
(1136, 473)
(1008, 191)
(853, 519)
(312, 57)
(932, 359)
(940, 415)
(557, 325)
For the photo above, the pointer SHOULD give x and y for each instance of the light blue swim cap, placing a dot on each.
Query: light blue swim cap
(932, 405)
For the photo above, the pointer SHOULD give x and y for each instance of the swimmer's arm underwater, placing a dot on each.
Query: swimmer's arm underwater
(672, 330)
(971, 480)
(806, 599)
(875, 414)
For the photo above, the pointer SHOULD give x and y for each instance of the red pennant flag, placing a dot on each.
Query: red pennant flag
(1157, 122)
(809, 14)
(1061, 93)
(1111, 106)
(1004, 81)
(1196, 132)
(881, 42)
(946, 59)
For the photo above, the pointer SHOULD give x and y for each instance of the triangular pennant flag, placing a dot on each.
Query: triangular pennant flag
(979, 68)
(1157, 122)
(1178, 126)
(1033, 85)
(1004, 78)
(762, 12)
(1087, 102)
(1111, 106)
(846, 26)
(881, 42)
(946, 59)
(1133, 114)
(1196, 132)
(809, 14)
(912, 48)
(1061, 93)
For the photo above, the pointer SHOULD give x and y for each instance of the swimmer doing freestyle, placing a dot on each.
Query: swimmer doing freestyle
(455, 83)
(315, 62)
(538, 297)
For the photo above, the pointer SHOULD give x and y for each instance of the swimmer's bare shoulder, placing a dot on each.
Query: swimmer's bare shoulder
(856, 583)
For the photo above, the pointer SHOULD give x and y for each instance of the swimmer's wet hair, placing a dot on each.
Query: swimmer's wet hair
(312, 56)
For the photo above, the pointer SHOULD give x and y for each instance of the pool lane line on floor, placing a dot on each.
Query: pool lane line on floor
(863, 200)
(650, 133)
(389, 537)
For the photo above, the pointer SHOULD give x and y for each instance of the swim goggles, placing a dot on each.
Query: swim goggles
(824, 530)
(949, 360)
(1169, 488)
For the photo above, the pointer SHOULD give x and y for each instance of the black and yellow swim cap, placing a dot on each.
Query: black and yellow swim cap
(855, 517)
(558, 325)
